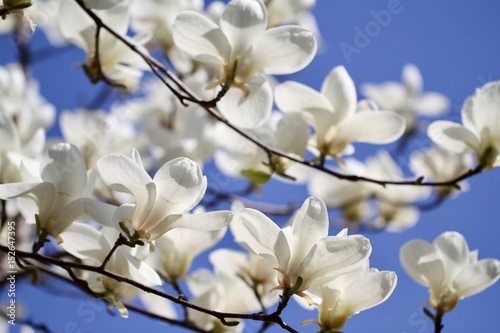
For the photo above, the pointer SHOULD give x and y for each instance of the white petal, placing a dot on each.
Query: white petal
(309, 225)
(388, 95)
(334, 256)
(122, 174)
(369, 291)
(412, 79)
(65, 168)
(256, 231)
(485, 108)
(199, 37)
(242, 22)
(452, 136)
(180, 185)
(372, 127)
(158, 305)
(422, 263)
(9, 134)
(248, 111)
(454, 251)
(431, 104)
(477, 277)
(85, 242)
(85, 208)
(284, 50)
(340, 90)
(203, 221)
(138, 270)
(293, 134)
(295, 97)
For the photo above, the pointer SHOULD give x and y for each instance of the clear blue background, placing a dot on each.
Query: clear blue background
(455, 44)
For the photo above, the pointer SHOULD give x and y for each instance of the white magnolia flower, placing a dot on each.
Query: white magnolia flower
(97, 133)
(350, 293)
(480, 131)
(396, 212)
(255, 270)
(407, 98)
(21, 101)
(241, 39)
(448, 268)
(351, 197)
(288, 133)
(156, 17)
(302, 250)
(440, 165)
(163, 202)
(176, 250)
(287, 11)
(93, 246)
(59, 194)
(172, 129)
(333, 114)
(222, 293)
(119, 64)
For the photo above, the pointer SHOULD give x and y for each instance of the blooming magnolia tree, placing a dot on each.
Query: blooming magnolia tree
(121, 206)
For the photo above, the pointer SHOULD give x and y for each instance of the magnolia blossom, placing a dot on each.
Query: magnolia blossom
(176, 250)
(396, 211)
(407, 98)
(351, 197)
(97, 133)
(157, 17)
(334, 115)
(222, 293)
(93, 246)
(161, 203)
(59, 194)
(480, 131)
(31, 114)
(241, 40)
(117, 62)
(302, 250)
(288, 133)
(349, 294)
(256, 271)
(172, 129)
(440, 165)
(448, 268)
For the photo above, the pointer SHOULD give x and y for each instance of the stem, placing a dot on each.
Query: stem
(188, 95)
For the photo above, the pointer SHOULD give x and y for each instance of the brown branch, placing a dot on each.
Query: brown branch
(188, 95)
(274, 317)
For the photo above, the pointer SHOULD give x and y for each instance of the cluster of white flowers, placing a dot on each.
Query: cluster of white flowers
(141, 218)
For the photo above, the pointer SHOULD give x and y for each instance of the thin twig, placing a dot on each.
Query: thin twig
(187, 94)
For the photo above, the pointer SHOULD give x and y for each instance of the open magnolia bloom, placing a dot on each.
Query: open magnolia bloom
(407, 98)
(219, 292)
(348, 294)
(59, 194)
(441, 165)
(335, 115)
(176, 250)
(480, 131)
(288, 133)
(255, 271)
(396, 212)
(350, 197)
(92, 246)
(448, 268)
(240, 46)
(302, 251)
(161, 203)
(117, 64)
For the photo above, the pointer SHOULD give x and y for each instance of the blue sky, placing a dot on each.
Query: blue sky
(456, 46)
